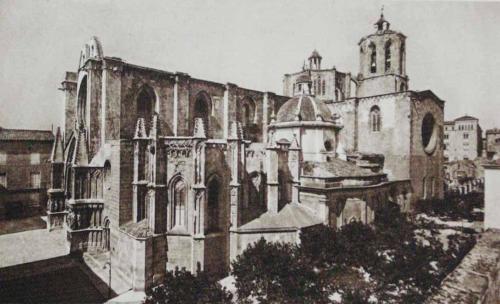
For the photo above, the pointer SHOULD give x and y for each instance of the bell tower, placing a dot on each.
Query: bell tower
(382, 61)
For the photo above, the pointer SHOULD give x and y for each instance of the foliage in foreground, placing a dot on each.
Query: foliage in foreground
(454, 206)
(388, 261)
(391, 261)
(180, 286)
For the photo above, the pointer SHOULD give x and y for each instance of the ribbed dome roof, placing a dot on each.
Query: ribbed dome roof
(303, 78)
(304, 108)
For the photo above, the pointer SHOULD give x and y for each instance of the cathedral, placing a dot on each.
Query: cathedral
(163, 170)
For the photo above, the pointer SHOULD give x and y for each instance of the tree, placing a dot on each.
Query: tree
(180, 286)
(275, 273)
(356, 246)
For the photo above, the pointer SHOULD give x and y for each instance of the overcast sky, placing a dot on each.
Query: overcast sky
(453, 48)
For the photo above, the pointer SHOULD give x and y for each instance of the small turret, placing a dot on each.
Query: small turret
(315, 61)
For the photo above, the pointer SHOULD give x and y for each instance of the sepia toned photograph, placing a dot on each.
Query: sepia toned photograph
(249, 152)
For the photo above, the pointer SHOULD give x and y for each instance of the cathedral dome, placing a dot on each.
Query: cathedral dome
(304, 108)
(303, 78)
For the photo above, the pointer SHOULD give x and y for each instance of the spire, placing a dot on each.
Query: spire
(153, 132)
(57, 150)
(271, 143)
(199, 128)
(381, 21)
(295, 143)
(315, 54)
(140, 129)
(81, 156)
(235, 131)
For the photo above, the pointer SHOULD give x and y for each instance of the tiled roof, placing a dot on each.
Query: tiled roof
(466, 117)
(139, 229)
(293, 216)
(32, 135)
(303, 108)
(335, 168)
(493, 131)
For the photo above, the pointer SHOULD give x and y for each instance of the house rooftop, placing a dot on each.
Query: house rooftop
(25, 135)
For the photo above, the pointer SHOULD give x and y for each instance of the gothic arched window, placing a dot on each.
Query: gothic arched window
(178, 209)
(202, 109)
(373, 58)
(387, 56)
(146, 100)
(247, 114)
(213, 203)
(375, 122)
(82, 101)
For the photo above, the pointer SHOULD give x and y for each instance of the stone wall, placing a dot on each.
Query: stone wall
(336, 207)
(492, 197)
(426, 167)
(393, 139)
(477, 278)
(17, 166)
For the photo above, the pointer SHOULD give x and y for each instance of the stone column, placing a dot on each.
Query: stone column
(176, 104)
(69, 86)
(235, 144)
(272, 160)
(294, 158)
(226, 111)
(265, 116)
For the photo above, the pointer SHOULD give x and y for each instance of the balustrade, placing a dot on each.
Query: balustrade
(85, 214)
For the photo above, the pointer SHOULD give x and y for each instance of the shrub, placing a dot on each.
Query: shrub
(275, 273)
(455, 206)
(357, 246)
(183, 287)
(319, 245)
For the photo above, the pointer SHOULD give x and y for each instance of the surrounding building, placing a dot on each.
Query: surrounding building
(165, 170)
(492, 143)
(462, 139)
(491, 194)
(464, 176)
(24, 171)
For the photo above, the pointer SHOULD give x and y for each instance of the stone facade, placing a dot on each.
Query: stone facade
(491, 195)
(462, 139)
(24, 171)
(165, 170)
(492, 143)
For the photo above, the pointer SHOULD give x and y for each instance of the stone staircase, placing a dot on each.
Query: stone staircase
(96, 266)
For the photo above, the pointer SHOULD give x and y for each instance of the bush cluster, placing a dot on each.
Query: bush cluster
(180, 286)
(454, 206)
(402, 267)
(387, 260)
